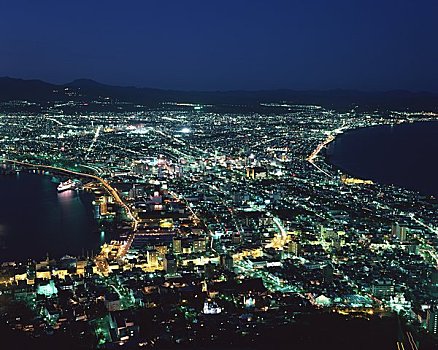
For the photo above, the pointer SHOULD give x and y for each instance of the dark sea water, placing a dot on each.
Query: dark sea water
(35, 219)
(405, 155)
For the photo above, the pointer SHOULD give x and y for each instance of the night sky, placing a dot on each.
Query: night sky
(224, 45)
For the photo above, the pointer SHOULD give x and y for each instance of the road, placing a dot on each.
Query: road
(331, 137)
(111, 190)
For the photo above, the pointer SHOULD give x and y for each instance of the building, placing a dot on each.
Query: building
(20, 274)
(327, 273)
(103, 206)
(170, 264)
(122, 326)
(112, 302)
(226, 262)
(199, 245)
(236, 238)
(187, 247)
(434, 277)
(328, 233)
(395, 228)
(211, 308)
(256, 173)
(383, 289)
(400, 232)
(294, 248)
(432, 321)
(44, 274)
(403, 234)
(177, 248)
(136, 191)
(152, 256)
(140, 167)
(47, 288)
(96, 210)
(412, 249)
(209, 269)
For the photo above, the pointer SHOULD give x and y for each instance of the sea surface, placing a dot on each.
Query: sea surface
(36, 220)
(404, 155)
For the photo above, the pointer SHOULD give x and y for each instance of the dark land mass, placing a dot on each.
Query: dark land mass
(86, 91)
(313, 331)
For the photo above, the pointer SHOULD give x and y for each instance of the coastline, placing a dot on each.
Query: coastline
(111, 190)
(327, 158)
(106, 186)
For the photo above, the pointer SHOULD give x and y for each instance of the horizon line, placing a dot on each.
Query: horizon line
(414, 91)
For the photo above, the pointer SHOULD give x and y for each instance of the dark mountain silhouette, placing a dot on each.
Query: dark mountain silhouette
(19, 89)
(86, 90)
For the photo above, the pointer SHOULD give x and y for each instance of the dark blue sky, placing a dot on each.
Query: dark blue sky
(212, 44)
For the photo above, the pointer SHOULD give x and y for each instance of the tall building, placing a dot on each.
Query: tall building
(170, 264)
(103, 206)
(395, 228)
(209, 270)
(226, 261)
(152, 256)
(96, 210)
(434, 277)
(327, 273)
(433, 286)
(403, 234)
(432, 320)
(400, 232)
(294, 248)
(176, 245)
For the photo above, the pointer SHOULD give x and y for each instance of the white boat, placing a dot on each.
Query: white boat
(69, 185)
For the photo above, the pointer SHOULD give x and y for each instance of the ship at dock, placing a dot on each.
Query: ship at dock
(69, 185)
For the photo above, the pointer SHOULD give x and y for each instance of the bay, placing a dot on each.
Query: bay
(405, 155)
(36, 220)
